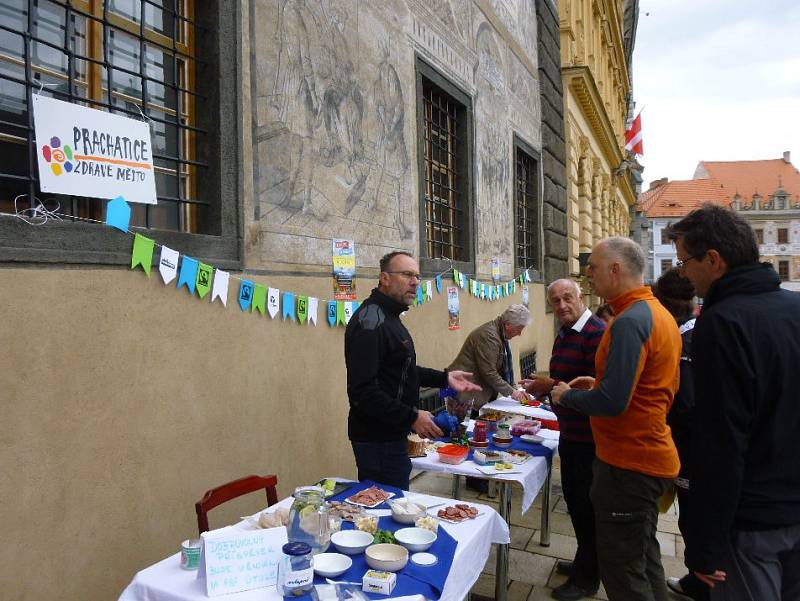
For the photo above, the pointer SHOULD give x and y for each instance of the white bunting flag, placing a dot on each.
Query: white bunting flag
(273, 304)
(348, 311)
(220, 289)
(429, 289)
(168, 265)
(312, 309)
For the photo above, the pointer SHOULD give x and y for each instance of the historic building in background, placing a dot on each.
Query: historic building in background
(597, 40)
(766, 193)
(431, 126)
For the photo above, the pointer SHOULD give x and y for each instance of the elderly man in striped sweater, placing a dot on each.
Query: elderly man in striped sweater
(573, 356)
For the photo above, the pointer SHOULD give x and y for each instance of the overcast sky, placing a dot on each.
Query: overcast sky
(719, 80)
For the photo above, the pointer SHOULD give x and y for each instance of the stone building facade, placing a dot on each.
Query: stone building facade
(597, 41)
(430, 126)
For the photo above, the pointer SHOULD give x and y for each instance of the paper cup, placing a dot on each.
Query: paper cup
(190, 553)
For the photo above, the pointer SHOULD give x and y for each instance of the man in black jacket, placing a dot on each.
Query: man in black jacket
(383, 378)
(745, 488)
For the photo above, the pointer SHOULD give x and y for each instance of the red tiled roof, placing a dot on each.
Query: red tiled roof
(749, 177)
(678, 198)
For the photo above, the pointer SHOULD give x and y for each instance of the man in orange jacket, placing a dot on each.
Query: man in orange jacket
(637, 367)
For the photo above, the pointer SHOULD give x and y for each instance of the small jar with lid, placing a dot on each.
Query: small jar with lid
(479, 433)
(295, 572)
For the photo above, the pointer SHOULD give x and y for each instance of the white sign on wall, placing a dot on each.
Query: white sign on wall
(86, 152)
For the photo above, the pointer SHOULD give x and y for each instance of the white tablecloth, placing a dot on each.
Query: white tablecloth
(509, 405)
(166, 581)
(531, 473)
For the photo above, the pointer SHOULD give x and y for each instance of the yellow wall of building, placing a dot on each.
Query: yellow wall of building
(124, 400)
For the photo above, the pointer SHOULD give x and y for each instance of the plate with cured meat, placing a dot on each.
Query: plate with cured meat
(369, 497)
(455, 514)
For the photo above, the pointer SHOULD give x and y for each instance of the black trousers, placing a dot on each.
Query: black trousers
(576, 480)
(626, 514)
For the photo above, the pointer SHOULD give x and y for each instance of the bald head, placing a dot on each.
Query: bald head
(616, 266)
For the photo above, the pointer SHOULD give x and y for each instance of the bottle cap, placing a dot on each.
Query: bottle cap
(296, 548)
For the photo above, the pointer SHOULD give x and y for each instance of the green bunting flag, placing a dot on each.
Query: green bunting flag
(302, 308)
(142, 253)
(204, 279)
(259, 299)
(456, 277)
(340, 316)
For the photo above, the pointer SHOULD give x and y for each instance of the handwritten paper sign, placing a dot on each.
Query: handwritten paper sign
(86, 152)
(241, 561)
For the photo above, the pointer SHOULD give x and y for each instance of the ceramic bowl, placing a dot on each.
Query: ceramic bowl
(351, 542)
(415, 539)
(387, 557)
(331, 565)
(406, 512)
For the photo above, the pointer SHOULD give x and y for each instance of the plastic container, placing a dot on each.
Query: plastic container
(479, 433)
(295, 572)
(527, 426)
(451, 453)
(550, 424)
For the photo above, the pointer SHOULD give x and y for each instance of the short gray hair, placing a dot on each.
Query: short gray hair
(568, 281)
(629, 253)
(516, 315)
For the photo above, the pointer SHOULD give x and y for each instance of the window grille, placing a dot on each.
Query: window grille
(129, 57)
(527, 205)
(446, 215)
(783, 270)
(783, 235)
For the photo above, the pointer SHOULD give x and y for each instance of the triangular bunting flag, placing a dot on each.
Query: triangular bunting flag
(429, 290)
(302, 308)
(288, 306)
(463, 280)
(188, 274)
(439, 284)
(273, 302)
(420, 297)
(245, 294)
(331, 313)
(348, 311)
(142, 253)
(356, 305)
(313, 304)
(527, 276)
(168, 264)
(491, 292)
(204, 275)
(456, 276)
(259, 299)
(220, 289)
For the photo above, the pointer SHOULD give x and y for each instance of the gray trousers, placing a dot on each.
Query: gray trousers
(762, 565)
(626, 520)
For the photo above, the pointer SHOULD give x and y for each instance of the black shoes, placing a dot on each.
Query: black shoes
(564, 568)
(572, 592)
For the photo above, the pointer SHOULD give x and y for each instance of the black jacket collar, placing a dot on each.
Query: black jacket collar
(755, 278)
(388, 304)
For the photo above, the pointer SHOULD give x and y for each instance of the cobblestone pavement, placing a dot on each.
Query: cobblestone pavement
(532, 567)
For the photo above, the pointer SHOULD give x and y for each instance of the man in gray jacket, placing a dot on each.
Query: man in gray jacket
(487, 354)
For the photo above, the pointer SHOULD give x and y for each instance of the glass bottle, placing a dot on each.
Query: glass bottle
(295, 572)
(308, 519)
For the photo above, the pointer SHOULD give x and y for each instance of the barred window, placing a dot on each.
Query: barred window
(783, 235)
(759, 235)
(130, 57)
(445, 170)
(526, 196)
(783, 270)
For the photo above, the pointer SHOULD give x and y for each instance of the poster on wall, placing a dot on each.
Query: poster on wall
(525, 295)
(344, 269)
(495, 269)
(86, 152)
(453, 308)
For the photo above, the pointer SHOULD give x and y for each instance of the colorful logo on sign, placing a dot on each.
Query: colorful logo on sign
(60, 159)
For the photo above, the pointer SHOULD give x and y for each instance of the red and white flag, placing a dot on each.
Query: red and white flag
(633, 136)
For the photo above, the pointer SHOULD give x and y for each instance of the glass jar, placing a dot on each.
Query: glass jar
(295, 572)
(479, 433)
(308, 519)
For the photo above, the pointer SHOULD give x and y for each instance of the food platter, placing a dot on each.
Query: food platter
(362, 498)
(452, 514)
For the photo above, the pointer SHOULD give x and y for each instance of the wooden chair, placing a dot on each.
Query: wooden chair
(231, 490)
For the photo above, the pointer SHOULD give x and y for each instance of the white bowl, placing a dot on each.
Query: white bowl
(387, 557)
(415, 539)
(351, 542)
(535, 438)
(406, 512)
(331, 565)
